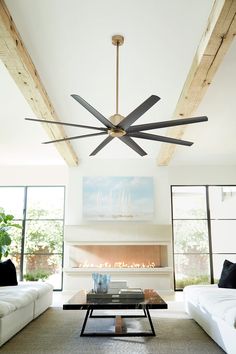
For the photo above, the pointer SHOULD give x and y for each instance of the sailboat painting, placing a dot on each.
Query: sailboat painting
(118, 198)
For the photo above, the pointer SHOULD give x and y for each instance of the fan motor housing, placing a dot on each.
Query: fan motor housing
(116, 132)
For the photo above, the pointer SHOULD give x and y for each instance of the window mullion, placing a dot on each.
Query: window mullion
(209, 234)
(23, 234)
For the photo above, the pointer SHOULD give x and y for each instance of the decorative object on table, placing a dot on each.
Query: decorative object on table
(118, 198)
(131, 293)
(122, 294)
(121, 127)
(100, 282)
(116, 285)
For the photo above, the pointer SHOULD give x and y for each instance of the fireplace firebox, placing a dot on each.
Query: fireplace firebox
(118, 256)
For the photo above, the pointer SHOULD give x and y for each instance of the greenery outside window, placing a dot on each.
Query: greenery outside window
(37, 249)
(191, 245)
(203, 220)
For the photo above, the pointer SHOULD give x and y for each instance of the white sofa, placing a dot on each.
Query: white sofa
(20, 304)
(214, 309)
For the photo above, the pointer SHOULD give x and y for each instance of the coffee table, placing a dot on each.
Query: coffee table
(151, 301)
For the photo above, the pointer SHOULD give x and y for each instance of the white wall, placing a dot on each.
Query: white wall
(202, 175)
(33, 175)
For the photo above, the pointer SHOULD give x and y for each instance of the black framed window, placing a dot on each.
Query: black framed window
(37, 248)
(203, 221)
(222, 200)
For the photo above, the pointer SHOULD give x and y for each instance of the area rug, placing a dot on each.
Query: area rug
(58, 332)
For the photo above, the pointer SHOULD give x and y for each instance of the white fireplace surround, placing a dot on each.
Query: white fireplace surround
(138, 234)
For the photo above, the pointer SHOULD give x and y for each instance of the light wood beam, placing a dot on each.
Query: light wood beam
(215, 42)
(20, 66)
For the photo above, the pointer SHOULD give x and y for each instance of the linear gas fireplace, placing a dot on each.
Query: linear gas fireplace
(118, 256)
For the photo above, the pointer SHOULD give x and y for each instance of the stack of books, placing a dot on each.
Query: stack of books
(115, 286)
(127, 293)
(131, 293)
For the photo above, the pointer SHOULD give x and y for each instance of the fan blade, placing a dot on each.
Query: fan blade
(165, 124)
(133, 145)
(99, 147)
(138, 112)
(164, 139)
(92, 110)
(74, 137)
(69, 124)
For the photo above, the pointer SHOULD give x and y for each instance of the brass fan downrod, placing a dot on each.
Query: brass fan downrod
(117, 40)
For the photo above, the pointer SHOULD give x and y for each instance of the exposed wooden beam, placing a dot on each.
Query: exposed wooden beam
(216, 40)
(20, 66)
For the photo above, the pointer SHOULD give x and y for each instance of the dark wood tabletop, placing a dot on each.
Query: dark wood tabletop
(151, 300)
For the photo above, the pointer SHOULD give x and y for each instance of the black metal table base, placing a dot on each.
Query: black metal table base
(89, 314)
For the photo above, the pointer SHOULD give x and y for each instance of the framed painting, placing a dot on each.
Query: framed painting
(118, 198)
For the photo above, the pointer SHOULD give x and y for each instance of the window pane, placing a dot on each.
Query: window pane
(45, 203)
(223, 202)
(223, 236)
(218, 260)
(44, 236)
(43, 239)
(190, 236)
(191, 269)
(43, 267)
(12, 201)
(189, 202)
(16, 237)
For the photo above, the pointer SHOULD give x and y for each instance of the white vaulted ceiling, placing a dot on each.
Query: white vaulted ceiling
(69, 42)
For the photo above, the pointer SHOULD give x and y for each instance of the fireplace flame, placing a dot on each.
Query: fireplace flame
(116, 265)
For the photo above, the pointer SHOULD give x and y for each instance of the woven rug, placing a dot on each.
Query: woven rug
(58, 332)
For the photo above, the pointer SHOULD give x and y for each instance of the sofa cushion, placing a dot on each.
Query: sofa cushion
(16, 297)
(36, 288)
(228, 275)
(6, 308)
(192, 292)
(219, 302)
(212, 300)
(7, 273)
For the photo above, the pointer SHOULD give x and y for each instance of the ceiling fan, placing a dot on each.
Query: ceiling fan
(121, 127)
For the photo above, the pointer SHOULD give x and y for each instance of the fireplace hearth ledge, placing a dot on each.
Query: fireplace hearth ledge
(158, 270)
